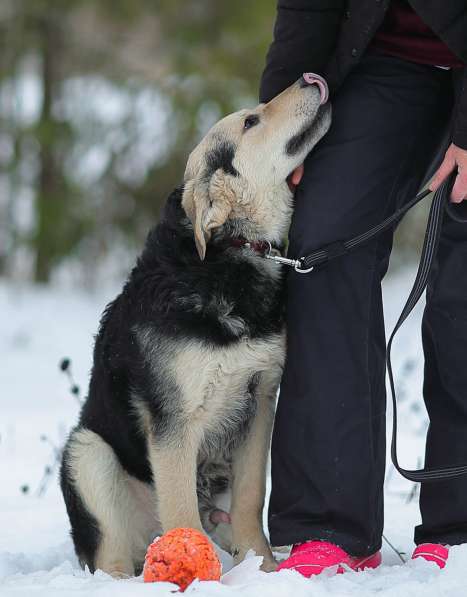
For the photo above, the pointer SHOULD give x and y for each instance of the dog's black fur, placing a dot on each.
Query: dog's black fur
(178, 296)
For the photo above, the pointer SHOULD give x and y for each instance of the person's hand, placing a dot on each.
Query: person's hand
(455, 157)
(294, 179)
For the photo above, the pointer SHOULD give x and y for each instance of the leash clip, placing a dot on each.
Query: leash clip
(295, 263)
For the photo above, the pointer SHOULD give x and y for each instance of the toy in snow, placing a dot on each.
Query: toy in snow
(180, 556)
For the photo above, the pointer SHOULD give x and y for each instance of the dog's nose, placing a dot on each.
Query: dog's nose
(314, 79)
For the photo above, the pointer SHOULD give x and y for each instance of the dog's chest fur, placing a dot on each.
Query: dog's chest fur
(220, 386)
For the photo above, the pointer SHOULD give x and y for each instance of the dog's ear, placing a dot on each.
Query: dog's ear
(207, 203)
(195, 202)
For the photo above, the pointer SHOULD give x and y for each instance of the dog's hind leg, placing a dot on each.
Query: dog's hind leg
(104, 489)
(85, 530)
(249, 478)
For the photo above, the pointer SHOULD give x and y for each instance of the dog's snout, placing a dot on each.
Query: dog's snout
(314, 79)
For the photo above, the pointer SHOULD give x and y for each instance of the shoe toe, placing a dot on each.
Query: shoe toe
(432, 552)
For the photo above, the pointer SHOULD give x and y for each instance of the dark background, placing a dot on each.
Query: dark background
(100, 103)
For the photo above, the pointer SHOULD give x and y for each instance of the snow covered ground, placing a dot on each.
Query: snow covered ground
(38, 328)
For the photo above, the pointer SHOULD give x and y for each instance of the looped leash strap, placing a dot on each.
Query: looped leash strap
(429, 250)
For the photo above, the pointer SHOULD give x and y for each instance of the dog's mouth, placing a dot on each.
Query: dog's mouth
(297, 143)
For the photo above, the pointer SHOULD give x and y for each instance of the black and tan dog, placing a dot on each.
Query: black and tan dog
(189, 356)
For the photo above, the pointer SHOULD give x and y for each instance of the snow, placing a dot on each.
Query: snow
(42, 325)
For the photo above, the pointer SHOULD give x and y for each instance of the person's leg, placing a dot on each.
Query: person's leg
(444, 504)
(328, 450)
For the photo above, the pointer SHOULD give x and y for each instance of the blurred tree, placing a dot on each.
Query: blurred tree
(100, 103)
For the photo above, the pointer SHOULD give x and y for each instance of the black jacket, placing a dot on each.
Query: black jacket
(330, 36)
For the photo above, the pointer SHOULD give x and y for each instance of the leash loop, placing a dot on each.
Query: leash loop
(430, 247)
(299, 268)
(336, 249)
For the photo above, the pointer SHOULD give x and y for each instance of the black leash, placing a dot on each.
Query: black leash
(430, 246)
(306, 264)
(339, 248)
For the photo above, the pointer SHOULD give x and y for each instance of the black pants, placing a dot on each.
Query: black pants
(328, 451)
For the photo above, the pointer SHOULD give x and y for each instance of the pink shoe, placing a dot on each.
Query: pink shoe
(313, 557)
(432, 552)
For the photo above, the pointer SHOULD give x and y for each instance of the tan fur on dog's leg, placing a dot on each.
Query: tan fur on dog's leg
(103, 486)
(249, 481)
(174, 467)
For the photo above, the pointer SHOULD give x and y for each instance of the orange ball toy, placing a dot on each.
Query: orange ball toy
(180, 556)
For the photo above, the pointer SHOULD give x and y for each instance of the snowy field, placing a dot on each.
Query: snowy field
(38, 328)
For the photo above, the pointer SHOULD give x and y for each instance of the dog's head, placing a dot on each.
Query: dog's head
(237, 176)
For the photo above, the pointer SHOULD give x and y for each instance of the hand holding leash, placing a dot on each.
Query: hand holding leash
(455, 157)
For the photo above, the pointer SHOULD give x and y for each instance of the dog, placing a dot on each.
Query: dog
(188, 358)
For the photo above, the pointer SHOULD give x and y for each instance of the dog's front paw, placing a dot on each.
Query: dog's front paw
(269, 563)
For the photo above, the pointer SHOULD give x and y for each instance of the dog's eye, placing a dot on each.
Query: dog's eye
(250, 121)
